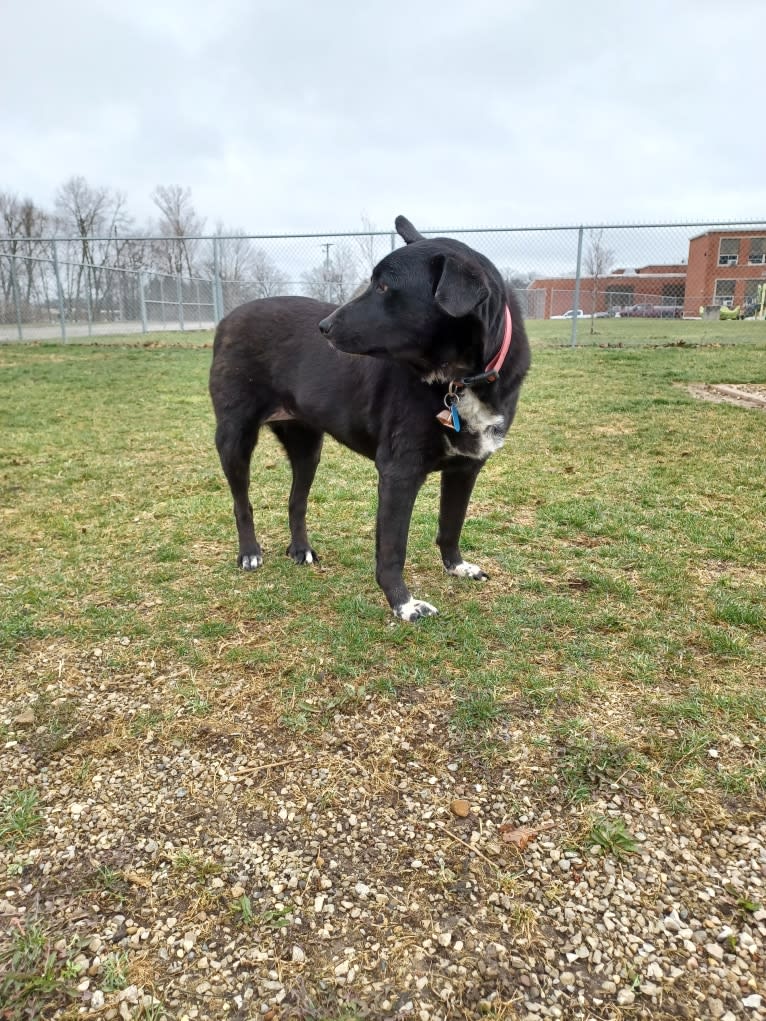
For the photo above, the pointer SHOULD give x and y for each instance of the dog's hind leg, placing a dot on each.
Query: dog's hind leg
(456, 488)
(304, 447)
(235, 441)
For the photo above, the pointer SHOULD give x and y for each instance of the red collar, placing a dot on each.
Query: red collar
(450, 416)
(497, 362)
(492, 370)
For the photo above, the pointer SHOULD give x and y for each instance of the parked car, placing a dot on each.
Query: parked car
(571, 314)
(646, 311)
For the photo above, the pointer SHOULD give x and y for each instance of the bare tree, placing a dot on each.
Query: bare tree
(248, 272)
(598, 259)
(336, 278)
(266, 277)
(10, 218)
(22, 224)
(178, 219)
(368, 257)
(517, 279)
(240, 260)
(86, 213)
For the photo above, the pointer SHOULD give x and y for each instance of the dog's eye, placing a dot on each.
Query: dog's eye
(380, 287)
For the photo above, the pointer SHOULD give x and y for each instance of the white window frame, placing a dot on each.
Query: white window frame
(725, 299)
(728, 258)
(756, 260)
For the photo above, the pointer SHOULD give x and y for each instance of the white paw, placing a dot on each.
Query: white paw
(251, 563)
(466, 570)
(309, 557)
(414, 609)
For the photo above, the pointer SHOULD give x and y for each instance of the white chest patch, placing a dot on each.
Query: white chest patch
(486, 429)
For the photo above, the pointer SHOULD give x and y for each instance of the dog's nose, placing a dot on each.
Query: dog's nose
(326, 325)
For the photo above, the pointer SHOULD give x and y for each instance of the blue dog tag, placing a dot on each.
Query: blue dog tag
(455, 417)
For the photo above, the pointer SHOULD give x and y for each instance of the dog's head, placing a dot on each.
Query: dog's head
(430, 305)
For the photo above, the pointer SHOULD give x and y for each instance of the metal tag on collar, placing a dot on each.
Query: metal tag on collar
(451, 401)
(450, 417)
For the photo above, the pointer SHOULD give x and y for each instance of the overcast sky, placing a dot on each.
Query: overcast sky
(298, 116)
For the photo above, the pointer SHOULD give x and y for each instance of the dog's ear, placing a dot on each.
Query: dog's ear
(461, 288)
(406, 231)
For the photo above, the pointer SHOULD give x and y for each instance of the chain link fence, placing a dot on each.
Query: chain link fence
(72, 287)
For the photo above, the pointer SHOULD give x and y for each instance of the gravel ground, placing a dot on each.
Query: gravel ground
(225, 867)
(746, 395)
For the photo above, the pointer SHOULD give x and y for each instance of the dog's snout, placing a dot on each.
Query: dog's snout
(325, 325)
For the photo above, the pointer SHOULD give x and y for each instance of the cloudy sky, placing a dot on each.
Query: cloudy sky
(305, 116)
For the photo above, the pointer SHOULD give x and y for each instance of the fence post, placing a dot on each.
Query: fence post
(393, 241)
(16, 299)
(88, 304)
(214, 281)
(142, 299)
(180, 293)
(217, 288)
(60, 291)
(577, 286)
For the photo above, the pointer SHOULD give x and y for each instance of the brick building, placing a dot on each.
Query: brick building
(652, 285)
(723, 268)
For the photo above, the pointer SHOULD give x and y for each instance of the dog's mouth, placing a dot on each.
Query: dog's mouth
(352, 349)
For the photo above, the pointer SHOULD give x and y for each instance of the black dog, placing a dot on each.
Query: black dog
(443, 355)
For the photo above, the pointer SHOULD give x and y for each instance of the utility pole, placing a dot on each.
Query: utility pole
(327, 246)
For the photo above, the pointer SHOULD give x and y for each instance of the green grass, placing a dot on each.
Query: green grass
(20, 817)
(114, 972)
(634, 332)
(622, 527)
(33, 975)
(610, 835)
(242, 910)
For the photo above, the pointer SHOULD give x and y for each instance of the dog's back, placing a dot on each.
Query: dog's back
(264, 341)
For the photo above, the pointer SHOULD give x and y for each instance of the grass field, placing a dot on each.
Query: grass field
(620, 641)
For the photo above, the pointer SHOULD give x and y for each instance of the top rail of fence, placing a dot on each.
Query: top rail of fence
(732, 221)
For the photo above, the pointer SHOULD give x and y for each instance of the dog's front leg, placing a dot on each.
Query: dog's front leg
(456, 488)
(396, 498)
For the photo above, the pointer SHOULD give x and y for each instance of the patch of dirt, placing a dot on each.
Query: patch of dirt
(745, 395)
(711, 571)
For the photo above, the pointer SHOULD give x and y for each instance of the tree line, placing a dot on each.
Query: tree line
(98, 235)
(102, 252)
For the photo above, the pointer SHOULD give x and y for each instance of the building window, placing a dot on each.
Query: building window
(673, 294)
(618, 295)
(728, 253)
(757, 254)
(724, 292)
